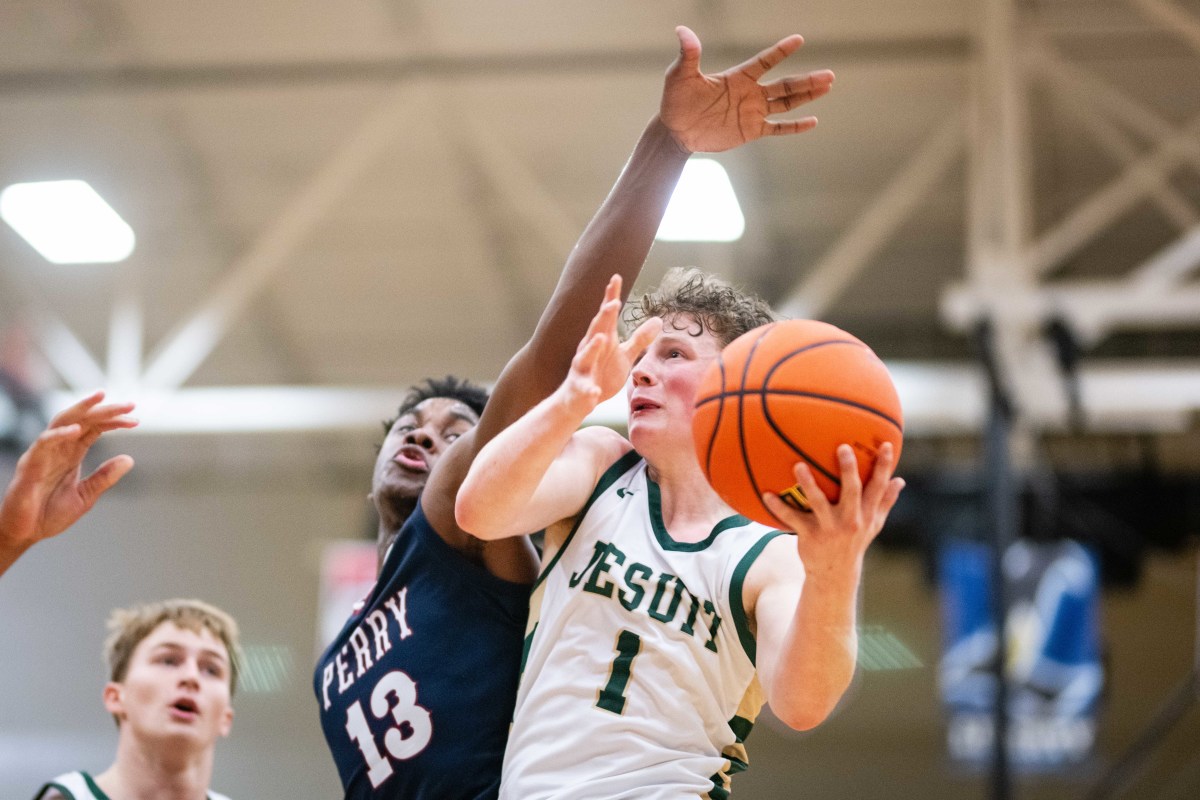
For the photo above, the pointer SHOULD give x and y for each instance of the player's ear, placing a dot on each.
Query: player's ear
(226, 721)
(114, 699)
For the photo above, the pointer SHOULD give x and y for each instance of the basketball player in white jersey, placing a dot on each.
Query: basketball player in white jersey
(172, 665)
(172, 674)
(47, 493)
(661, 620)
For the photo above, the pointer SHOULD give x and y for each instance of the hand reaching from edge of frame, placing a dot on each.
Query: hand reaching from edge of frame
(48, 493)
(711, 113)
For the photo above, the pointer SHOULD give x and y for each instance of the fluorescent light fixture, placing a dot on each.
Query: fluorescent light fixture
(703, 207)
(67, 222)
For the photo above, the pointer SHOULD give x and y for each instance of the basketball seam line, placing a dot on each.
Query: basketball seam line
(812, 462)
(798, 393)
(824, 343)
(712, 440)
(758, 493)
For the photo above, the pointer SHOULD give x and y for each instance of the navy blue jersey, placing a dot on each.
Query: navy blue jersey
(416, 693)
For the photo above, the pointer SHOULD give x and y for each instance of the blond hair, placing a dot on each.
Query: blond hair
(715, 305)
(127, 627)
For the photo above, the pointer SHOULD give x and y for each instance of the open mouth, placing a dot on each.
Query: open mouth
(639, 405)
(185, 708)
(412, 458)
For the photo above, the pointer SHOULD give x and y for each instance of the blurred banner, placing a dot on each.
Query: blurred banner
(348, 570)
(1053, 662)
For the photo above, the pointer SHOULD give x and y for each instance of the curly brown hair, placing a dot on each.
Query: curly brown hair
(715, 305)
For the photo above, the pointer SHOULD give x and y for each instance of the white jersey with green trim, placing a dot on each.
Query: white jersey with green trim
(81, 786)
(639, 677)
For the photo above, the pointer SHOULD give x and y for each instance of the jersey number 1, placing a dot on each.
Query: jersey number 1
(612, 696)
(405, 710)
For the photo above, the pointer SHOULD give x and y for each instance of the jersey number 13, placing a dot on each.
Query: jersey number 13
(394, 695)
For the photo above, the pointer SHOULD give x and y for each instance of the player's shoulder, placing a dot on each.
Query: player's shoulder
(599, 446)
(68, 786)
(773, 570)
(602, 436)
(776, 563)
(81, 786)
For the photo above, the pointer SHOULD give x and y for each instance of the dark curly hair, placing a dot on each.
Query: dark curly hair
(718, 307)
(471, 395)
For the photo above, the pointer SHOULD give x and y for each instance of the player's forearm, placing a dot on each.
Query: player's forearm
(10, 549)
(7, 558)
(817, 661)
(616, 241)
(15, 538)
(495, 497)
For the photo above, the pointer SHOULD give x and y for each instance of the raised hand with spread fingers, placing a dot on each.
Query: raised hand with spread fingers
(48, 492)
(712, 113)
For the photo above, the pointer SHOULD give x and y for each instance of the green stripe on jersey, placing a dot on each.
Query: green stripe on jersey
(741, 728)
(664, 538)
(736, 606)
(526, 646)
(619, 468)
(718, 792)
(100, 795)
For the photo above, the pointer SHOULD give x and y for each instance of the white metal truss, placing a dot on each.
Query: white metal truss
(852, 252)
(1008, 275)
(1007, 269)
(195, 339)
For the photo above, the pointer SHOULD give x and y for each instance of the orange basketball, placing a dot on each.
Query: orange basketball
(787, 392)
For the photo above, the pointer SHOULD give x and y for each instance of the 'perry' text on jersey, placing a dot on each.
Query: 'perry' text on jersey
(366, 646)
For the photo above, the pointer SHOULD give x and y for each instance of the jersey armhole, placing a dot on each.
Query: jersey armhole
(610, 476)
(736, 601)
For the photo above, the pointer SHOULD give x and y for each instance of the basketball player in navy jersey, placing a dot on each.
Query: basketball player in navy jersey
(416, 693)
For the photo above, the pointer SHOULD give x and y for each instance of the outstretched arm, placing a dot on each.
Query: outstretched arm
(541, 469)
(47, 493)
(806, 615)
(698, 112)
